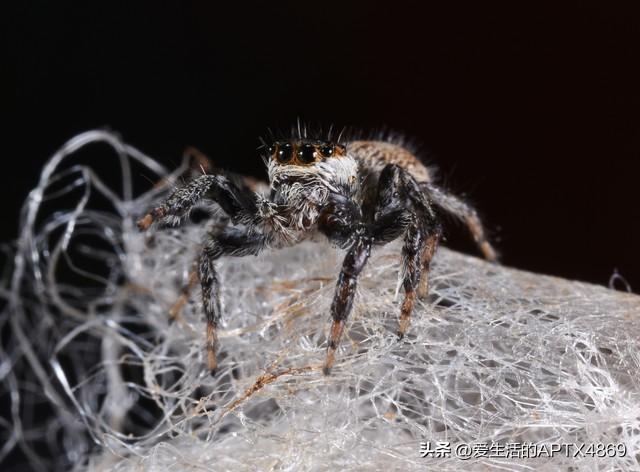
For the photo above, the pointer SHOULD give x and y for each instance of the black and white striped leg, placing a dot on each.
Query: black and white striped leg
(237, 201)
(231, 242)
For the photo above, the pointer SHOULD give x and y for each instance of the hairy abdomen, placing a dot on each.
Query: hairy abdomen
(372, 156)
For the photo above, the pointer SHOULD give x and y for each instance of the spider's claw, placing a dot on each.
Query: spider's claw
(400, 335)
(212, 372)
(326, 370)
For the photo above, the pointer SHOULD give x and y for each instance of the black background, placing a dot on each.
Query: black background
(530, 110)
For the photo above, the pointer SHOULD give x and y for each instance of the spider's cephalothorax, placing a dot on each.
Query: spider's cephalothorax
(358, 194)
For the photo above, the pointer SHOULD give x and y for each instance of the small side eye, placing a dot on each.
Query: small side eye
(326, 150)
(273, 149)
(285, 153)
(340, 150)
(306, 154)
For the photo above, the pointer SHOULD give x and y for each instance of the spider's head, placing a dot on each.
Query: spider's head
(304, 152)
(312, 164)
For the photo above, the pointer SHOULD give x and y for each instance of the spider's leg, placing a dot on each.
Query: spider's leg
(403, 207)
(231, 242)
(427, 254)
(353, 264)
(177, 206)
(395, 213)
(192, 280)
(420, 243)
(341, 222)
(465, 213)
(238, 202)
(411, 272)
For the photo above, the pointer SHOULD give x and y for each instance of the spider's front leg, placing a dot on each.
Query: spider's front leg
(341, 221)
(231, 242)
(237, 202)
(353, 264)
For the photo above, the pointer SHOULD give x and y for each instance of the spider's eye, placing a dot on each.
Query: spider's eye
(340, 150)
(326, 150)
(285, 153)
(272, 149)
(306, 153)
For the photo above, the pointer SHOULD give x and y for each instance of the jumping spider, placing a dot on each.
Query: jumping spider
(358, 194)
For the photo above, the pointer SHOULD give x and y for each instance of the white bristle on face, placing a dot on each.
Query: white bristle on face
(305, 189)
(339, 172)
(332, 173)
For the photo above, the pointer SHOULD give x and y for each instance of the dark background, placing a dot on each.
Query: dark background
(531, 111)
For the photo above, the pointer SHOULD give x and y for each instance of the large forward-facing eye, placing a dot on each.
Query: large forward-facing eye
(285, 153)
(306, 153)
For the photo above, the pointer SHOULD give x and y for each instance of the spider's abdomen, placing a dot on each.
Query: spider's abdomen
(372, 156)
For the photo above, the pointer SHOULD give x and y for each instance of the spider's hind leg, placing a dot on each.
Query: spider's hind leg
(464, 212)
